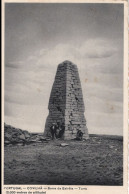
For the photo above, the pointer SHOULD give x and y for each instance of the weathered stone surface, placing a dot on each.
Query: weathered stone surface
(66, 102)
(22, 136)
(26, 134)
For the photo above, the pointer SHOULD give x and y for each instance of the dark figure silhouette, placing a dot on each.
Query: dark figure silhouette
(61, 131)
(79, 135)
(53, 129)
(58, 130)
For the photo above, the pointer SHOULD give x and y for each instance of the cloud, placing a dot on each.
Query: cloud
(103, 106)
(95, 48)
(26, 117)
(103, 123)
(46, 58)
(14, 64)
(105, 93)
(98, 48)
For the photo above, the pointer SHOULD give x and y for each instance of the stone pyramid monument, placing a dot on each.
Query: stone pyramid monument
(66, 102)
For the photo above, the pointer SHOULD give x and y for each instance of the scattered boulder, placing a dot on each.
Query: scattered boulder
(43, 139)
(22, 136)
(26, 134)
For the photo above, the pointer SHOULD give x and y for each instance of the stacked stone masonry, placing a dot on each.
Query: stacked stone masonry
(66, 102)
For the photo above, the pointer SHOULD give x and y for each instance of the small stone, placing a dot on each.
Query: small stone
(64, 144)
(111, 147)
(20, 144)
(7, 142)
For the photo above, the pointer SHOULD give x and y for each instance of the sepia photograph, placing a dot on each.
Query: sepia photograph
(64, 94)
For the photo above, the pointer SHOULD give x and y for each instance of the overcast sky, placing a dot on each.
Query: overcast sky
(40, 36)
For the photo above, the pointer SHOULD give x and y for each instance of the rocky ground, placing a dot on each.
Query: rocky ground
(17, 136)
(34, 160)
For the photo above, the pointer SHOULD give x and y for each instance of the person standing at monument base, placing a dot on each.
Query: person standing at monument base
(53, 129)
